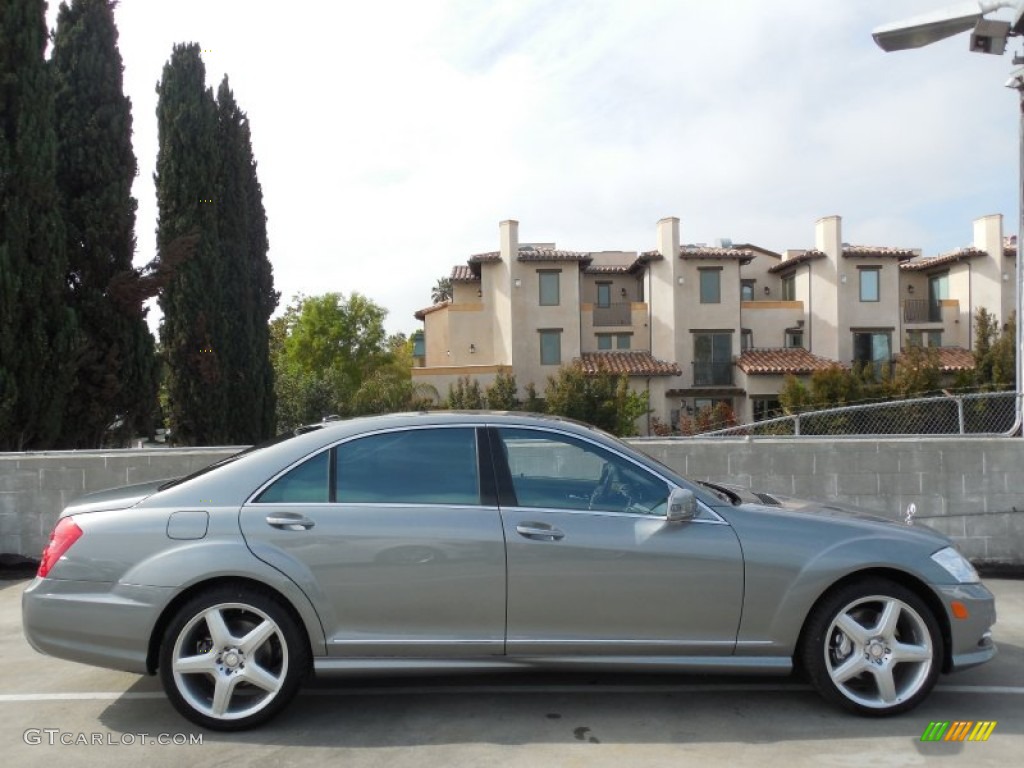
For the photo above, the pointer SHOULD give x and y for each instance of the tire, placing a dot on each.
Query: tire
(872, 647)
(232, 658)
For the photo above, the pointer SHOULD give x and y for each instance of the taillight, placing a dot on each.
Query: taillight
(65, 533)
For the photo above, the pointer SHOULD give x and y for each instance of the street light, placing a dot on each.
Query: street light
(987, 36)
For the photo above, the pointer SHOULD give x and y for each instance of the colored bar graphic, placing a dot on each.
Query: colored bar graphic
(958, 730)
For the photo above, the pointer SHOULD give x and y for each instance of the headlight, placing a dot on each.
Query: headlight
(958, 566)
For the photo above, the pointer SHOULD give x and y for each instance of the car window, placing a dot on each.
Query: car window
(305, 484)
(416, 466)
(554, 471)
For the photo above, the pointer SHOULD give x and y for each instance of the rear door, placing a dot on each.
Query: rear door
(396, 541)
(594, 568)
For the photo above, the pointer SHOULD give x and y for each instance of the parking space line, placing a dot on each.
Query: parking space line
(15, 698)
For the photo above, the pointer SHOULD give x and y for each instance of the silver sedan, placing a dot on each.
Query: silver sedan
(445, 541)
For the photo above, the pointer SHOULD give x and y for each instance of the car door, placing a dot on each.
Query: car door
(395, 539)
(594, 567)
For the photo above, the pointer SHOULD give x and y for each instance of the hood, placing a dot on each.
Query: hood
(830, 509)
(114, 498)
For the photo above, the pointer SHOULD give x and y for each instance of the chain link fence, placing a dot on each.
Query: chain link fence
(988, 413)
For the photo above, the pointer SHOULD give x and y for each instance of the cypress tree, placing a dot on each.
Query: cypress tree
(242, 227)
(193, 301)
(116, 366)
(37, 328)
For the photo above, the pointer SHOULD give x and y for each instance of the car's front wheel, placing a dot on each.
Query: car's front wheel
(232, 658)
(873, 647)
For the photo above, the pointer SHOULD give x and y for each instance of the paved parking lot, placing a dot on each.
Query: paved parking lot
(515, 720)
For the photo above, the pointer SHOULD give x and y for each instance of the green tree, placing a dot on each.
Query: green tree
(193, 302)
(331, 355)
(37, 328)
(994, 352)
(249, 296)
(533, 403)
(466, 395)
(114, 358)
(601, 399)
(442, 290)
(501, 395)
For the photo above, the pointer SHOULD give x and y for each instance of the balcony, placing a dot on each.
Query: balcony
(706, 374)
(922, 311)
(617, 314)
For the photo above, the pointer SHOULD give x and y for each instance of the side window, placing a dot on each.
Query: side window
(416, 466)
(305, 484)
(551, 471)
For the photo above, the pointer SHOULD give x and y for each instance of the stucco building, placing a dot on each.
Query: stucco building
(695, 325)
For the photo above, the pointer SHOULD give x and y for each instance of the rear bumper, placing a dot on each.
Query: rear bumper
(103, 624)
(970, 637)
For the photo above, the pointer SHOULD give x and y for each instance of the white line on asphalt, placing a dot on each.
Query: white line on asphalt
(14, 698)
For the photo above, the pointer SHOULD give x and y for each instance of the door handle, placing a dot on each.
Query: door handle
(540, 531)
(290, 522)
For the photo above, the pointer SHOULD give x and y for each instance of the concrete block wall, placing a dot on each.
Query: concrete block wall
(34, 487)
(968, 488)
(971, 489)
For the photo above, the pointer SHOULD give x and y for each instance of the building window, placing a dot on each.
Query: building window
(924, 338)
(747, 290)
(873, 348)
(938, 289)
(551, 347)
(789, 288)
(794, 338)
(604, 294)
(548, 288)
(869, 283)
(746, 339)
(712, 359)
(711, 286)
(766, 408)
(622, 340)
(419, 344)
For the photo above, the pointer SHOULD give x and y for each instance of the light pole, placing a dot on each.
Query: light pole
(987, 36)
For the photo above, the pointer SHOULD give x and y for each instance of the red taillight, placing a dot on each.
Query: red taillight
(65, 533)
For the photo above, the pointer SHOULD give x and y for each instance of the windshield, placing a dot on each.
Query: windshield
(234, 457)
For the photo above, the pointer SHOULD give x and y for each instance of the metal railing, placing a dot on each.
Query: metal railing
(617, 314)
(983, 414)
(921, 311)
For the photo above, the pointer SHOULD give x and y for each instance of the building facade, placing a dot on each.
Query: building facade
(697, 325)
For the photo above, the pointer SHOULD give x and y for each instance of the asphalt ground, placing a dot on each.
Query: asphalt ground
(54, 712)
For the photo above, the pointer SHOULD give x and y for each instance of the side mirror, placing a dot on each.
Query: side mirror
(682, 506)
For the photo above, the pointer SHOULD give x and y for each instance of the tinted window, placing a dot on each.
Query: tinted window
(552, 471)
(548, 288)
(304, 484)
(418, 466)
(710, 286)
(550, 347)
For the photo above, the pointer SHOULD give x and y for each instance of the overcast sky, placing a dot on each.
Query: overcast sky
(392, 137)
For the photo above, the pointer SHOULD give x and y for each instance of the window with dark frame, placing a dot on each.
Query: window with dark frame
(549, 288)
(604, 294)
(870, 283)
(789, 287)
(710, 285)
(747, 290)
(551, 346)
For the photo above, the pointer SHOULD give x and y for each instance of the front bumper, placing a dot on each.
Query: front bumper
(970, 637)
(98, 623)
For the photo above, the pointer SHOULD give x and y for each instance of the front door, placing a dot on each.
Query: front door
(594, 568)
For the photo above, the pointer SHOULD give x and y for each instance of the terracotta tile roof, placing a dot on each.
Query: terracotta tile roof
(551, 254)
(420, 314)
(953, 359)
(779, 361)
(793, 261)
(629, 363)
(652, 256)
(480, 258)
(757, 249)
(706, 252)
(878, 252)
(619, 269)
(462, 273)
(928, 262)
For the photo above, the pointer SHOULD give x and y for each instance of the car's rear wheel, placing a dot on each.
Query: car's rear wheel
(873, 647)
(232, 658)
